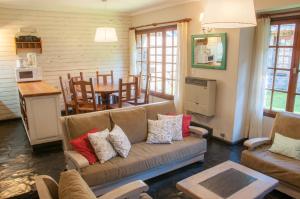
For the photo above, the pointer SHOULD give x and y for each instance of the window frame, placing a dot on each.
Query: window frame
(294, 70)
(162, 29)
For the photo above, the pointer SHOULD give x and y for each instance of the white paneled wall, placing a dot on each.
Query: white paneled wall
(68, 46)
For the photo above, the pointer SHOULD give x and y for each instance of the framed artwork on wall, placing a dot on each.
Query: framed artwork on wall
(209, 51)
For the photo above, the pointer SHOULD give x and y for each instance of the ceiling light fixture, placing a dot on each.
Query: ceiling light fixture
(229, 14)
(106, 34)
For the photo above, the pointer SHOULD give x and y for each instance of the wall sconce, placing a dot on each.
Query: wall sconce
(204, 30)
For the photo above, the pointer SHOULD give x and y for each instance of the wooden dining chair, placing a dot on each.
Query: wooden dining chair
(145, 99)
(75, 78)
(104, 77)
(67, 96)
(139, 76)
(84, 96)
(127, 93)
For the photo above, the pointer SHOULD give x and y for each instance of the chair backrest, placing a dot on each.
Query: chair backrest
(139, 76)
(127, 88)
(287, 124)
(83, 94)
(65, 88)
(105, 77)
(75, 78)
(147, 89)
(47, 187)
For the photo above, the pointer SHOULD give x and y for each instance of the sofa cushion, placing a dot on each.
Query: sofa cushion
(143, 157)
(72, 186)
(77, 125)
(133, 122)
(277, 166)
(162, 108)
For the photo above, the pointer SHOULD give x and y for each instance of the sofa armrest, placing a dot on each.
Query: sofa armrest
(198, 131)
(256, 142)
(75, 160)
(130, 191)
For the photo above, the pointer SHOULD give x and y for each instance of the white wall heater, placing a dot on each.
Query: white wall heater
(200, 96)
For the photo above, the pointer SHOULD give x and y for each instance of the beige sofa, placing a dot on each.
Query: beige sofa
(285, 169)
(145, 161)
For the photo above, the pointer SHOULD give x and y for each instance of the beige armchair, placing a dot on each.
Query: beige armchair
(48, 188)
(283, 168)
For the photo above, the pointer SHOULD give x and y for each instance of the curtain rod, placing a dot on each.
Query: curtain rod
(161, 23)
(279, 14)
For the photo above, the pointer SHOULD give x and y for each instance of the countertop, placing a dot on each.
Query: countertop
(38, 88)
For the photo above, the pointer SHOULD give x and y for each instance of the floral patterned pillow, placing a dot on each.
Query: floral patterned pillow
(159, 132)
(176, 125)
(103, 149)
(120, 141)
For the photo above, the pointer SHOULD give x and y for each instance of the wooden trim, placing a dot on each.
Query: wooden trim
(288, 13)
(161, 23)
(161, 28)
(268, 113)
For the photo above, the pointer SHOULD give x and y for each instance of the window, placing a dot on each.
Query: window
(282, 88)
(157, 55)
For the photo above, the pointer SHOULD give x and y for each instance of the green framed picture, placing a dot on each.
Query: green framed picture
(209, 51)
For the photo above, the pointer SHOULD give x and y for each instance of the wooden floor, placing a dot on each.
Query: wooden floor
(18, 165)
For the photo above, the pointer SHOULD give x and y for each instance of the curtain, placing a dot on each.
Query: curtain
(133, 70)
(182, 65)
(254, 123)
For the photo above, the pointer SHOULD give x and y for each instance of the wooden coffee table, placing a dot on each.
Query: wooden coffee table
(228, 180)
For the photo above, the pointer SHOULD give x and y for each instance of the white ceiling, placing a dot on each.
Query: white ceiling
(125, 6)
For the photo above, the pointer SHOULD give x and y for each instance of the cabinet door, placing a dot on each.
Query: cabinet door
(43, 116)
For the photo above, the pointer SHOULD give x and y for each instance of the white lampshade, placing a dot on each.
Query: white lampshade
(229, 14)
(105, 34)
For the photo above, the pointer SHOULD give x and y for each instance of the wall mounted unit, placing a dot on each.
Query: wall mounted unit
(200, 96)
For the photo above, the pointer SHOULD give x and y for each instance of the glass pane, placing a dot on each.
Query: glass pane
(159, 58)
(284, 58)
(282, 80)
(270, 76)
(298, 84)
(144, 40)
(159, 51)
(175, 51)
(169, 59)
(159, 39)
(273, 37)
(158, 85)
(144, 54)
(138, 41)
(267, 103)
(158, 68)
(152, 85)
(169, 38)
(169, 67)
(152, 58)
(279, 101)
(144, 68)
(152, 51)
(169, 75)
(271, 58)
(139, 55)
(175, 38)
(286, 35)
(169, 51)
(174, 59)
(159, 75)
(152, 39)
(152, 68)
(169, 87)
(174, 75)
(297, 104)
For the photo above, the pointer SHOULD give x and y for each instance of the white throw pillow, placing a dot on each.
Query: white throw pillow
(103, 149)
(120, 141)
(159, 132)
(286, 146)
(176, 125)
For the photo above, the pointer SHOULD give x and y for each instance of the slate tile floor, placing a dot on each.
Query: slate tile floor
(19, 164)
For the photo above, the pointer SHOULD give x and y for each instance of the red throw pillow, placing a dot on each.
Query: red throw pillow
(83, 146)
(186, 122)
